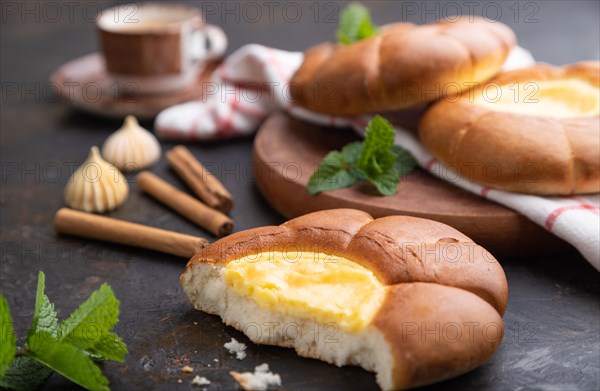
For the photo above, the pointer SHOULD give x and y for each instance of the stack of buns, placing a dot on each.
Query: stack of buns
(533, 130)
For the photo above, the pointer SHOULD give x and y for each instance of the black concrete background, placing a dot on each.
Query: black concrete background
(552, 336)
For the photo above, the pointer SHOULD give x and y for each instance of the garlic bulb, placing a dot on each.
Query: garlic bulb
(131, 148)
(96, 186)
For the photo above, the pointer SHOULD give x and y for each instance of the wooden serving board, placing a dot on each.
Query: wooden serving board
(287, 150)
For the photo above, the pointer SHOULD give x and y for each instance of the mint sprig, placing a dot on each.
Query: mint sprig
(68, 348)
(355, 24)
(376, 159)
(8, 346)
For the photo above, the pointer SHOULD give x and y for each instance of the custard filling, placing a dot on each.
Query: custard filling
(564, 98)
(318, 286)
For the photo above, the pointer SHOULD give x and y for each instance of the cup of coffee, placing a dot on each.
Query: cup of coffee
(155, 48)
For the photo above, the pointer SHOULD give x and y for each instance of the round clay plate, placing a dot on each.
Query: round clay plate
(85, 83)
(287, 151)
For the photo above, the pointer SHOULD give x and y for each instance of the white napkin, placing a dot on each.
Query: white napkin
(253, 83)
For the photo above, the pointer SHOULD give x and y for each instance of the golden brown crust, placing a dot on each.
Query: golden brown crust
(514, 151)
(403, 249)
(453, 331)
(444, 292)
(405, 65)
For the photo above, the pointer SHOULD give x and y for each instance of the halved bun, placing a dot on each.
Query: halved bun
(440, 310)
(534, 130)
(404, 66)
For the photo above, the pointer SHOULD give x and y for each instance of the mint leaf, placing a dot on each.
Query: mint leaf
(44, 315)
(67, 360)
(355, 24)
(8, 341)
(386, 182)
(377, 155)
(333, 173)
(106, 346)
(352, 152)
(25, 374)
(406, 163)
(376, 159)
(88, 328)
(100, 312)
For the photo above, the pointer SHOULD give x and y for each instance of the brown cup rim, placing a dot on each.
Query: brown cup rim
(192, 15)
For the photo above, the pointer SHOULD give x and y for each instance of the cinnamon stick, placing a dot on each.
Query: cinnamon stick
(204, 184)
(108, 229)
(187, 206)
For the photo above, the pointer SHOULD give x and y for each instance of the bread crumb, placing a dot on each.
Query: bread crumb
(236, 347)
(187, 369)
(200, 381)
(260, 380)
(179, 381)
(262, 368)
(216, 360)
